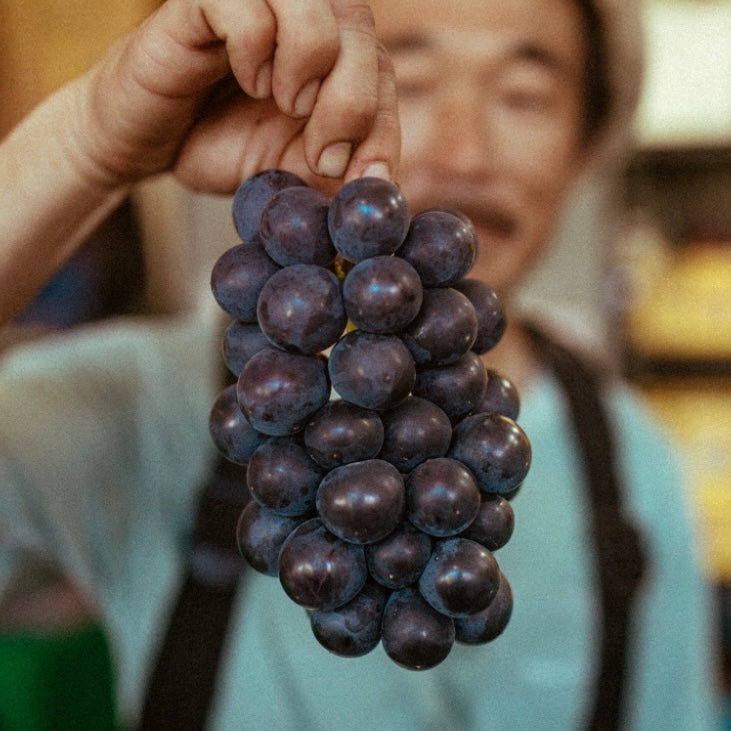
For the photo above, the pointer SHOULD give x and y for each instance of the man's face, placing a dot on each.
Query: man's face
(490, 97)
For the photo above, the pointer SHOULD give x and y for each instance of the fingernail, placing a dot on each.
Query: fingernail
(263, 83)
(377, 170)
(305, 101)
(334, 159)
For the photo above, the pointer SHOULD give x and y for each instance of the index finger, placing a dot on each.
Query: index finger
(351, 99)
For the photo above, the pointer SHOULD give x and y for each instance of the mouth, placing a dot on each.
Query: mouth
(491, 221)
(495, 224)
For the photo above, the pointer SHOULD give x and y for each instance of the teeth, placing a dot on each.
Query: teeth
(380, 453)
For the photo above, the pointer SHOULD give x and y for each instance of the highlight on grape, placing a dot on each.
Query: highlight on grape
(381, 454)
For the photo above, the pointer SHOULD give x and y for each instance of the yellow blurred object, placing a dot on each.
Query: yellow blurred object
(687, 312)
(45, 43)
(697, 413)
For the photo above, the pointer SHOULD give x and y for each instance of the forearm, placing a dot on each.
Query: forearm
(52, 198)
(165, 98)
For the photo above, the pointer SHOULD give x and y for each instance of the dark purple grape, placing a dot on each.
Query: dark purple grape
(488, 624)
(415, 430)
(495, 448)
(368, 217)
(241, 340)
(491, 321)
(301, 309)
(232, 434)
(279, 392)
(341, 432)
(494, 523)
(415, 635)
(442, 497)
(354, 629)
(318, 570)
(444, 330)
(362, 502)
(260, 534)
(398, 560)
(382, 294)
(281, 476)
(441, 246)
(294, 227)
(461, 577)
(238, 277)
(253, 196)
(370, 370)
(500, 396)
(456, 388)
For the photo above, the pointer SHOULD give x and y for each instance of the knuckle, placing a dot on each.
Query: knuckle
(357, 112)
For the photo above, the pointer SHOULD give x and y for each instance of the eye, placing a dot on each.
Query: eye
(528, 87)
(526, 100)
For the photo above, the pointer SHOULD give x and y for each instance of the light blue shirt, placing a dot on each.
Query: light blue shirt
(103, 444)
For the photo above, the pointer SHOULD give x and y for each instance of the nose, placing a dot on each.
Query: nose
(461, 138)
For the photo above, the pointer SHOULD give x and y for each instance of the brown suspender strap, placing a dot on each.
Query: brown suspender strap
(620, 560)
(183, 680)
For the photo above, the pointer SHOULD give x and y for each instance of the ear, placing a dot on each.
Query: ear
(606, 152)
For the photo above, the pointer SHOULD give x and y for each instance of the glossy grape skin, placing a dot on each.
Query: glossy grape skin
(382, 294)
(371, 370)
(281, 476)
(490, 623)
(491, 320)
(500, 396)
(456, 387)
(300, 308)
(368, 217)
(444, 330)
(237, 279)
(230, 431)
(354, 629)
(495, 448)
(442, 497)
(415, 635)
(398, 560)
(441, 246)
(493, 526)
(460, 578)
(241, 340)
(294, 227)
(279, 392)
(362, 502)
(341, 432)
(414, 430)
(260, 534)
(254, 195)
(318, 570)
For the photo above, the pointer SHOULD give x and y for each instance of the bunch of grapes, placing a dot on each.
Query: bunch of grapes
(381, 455)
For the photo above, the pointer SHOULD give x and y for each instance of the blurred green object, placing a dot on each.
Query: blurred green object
(56, 681)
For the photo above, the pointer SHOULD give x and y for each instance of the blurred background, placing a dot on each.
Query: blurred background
(655, 296)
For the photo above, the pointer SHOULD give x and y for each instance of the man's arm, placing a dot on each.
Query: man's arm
(213, 90)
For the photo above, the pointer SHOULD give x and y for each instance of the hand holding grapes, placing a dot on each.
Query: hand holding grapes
(213, 90)
(217, 90)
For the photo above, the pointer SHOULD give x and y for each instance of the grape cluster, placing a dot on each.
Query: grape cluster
(381, 455)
